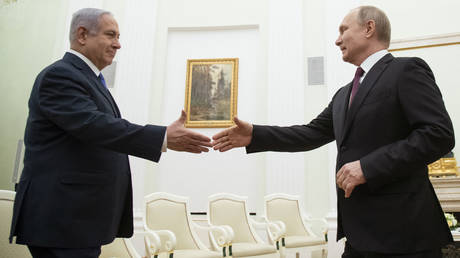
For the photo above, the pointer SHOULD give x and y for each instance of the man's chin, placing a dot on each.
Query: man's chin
(109, 62)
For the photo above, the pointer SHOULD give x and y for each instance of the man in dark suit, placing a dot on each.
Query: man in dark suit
(75, 191)
(389, 124)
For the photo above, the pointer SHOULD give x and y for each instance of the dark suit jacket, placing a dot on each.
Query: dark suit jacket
(396, 125)
(75, 190)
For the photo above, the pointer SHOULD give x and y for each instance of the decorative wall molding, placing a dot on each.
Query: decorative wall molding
(174, 171)
(285, 172)
(133, 76)
(331, 219)
(335, 249)
(425, 42)
(212, 28)
(448, 191)
(138, 220)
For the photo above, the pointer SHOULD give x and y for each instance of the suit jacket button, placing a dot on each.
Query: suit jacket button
(343, 148)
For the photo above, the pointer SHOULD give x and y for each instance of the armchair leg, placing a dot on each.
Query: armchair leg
(324, 253)
(282, 252)
(307, 254)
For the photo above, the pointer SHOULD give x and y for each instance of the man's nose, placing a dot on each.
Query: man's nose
(117, 44)
(338, 41)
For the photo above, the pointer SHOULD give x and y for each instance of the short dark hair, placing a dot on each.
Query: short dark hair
(87, 18)
(382, 23)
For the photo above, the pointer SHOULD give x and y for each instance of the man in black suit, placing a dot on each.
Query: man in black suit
(75, 191)
(389, 124)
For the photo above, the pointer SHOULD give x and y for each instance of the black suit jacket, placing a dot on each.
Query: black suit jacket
(75, 190)
(396, 125)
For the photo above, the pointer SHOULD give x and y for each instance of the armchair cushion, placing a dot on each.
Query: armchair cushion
(301, 241)
(119, 248)
(8, 250)
(192, 253)
(170, 212)
(234, 214)
(163, 214)
(250, 249)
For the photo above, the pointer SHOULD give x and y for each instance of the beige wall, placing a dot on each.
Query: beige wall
(29, 29)
(415, 18)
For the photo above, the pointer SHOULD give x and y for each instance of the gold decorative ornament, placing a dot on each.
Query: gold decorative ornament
(443, 167)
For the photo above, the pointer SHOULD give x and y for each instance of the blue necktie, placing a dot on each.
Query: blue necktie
(101, 78)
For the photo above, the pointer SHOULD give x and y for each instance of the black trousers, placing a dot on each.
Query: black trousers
(49, 252)
(350, 252)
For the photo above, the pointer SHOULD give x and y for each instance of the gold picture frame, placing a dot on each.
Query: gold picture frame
(211, 92)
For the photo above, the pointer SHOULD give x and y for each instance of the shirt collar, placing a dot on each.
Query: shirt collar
(372, 60)
(87, 61)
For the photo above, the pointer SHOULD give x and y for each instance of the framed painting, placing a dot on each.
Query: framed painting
(211, 92)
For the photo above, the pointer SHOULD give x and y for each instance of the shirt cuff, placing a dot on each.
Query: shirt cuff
(164, 147)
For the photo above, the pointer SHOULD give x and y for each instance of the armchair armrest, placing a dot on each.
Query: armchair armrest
(159, 241)
(318, 226)
(152, 243)
(219, 236)
(276, 230)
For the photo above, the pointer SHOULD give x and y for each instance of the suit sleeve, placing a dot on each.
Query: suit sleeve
(294, 138)
(431, 134)
(67, 103)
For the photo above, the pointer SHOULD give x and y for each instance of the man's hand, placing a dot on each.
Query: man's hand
(182, 139)
(239, 135)
(349, 176)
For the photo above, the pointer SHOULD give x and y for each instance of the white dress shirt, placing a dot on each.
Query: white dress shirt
(371, 61)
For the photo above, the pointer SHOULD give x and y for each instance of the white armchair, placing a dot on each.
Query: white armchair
(122, 247)
(164, 211)
(303, 234)
(231, 210)
(8, 250)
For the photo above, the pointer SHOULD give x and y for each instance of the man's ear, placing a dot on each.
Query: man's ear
(82, 34)
(370, 28)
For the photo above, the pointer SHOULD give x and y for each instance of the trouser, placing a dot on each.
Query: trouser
(350, 252)
(50, 252)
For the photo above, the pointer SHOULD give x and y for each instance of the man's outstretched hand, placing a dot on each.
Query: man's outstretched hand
(180, 138)
(239, 135)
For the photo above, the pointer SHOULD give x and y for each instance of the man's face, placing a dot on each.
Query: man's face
(101, 47)
(352, 39)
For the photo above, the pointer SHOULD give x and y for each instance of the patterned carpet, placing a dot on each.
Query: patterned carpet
(451, 251)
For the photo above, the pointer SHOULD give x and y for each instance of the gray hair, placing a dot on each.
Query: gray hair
(382, 23)
(87, 18)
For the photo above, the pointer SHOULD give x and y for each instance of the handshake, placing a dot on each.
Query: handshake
(180, 138)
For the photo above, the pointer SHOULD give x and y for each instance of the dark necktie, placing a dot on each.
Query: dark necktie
(101, 78)
(354, 89)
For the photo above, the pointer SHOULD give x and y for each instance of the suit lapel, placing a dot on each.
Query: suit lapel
(106, 93)
(114, 104)
(366, 86)
(342, 111)
(84, 68)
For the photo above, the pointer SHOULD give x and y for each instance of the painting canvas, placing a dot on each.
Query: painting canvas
(211, 92)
